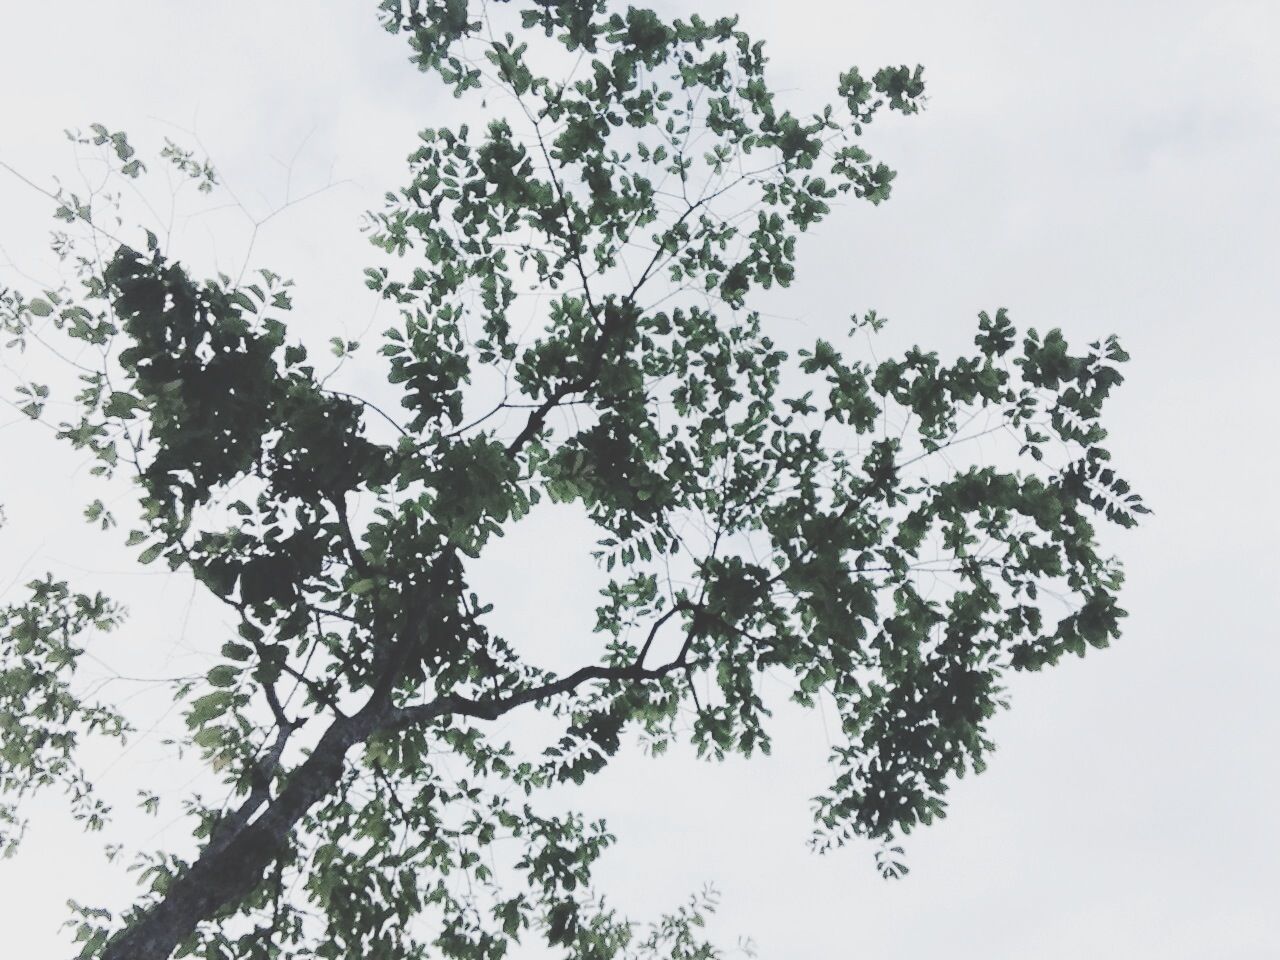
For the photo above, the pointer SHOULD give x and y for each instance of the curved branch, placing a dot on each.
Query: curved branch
(492, 709)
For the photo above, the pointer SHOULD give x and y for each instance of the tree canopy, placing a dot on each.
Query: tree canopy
(573, 275)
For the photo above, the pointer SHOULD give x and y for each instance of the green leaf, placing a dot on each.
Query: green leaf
(208, 707)
(223, 675)
(236, 651)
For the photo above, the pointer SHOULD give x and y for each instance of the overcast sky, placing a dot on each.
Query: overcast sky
(1099, 166)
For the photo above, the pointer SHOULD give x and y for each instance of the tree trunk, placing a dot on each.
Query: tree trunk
(227, 871)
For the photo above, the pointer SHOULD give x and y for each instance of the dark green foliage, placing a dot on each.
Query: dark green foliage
(757, 511)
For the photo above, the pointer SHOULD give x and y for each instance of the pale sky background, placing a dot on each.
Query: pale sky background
(1099, 166)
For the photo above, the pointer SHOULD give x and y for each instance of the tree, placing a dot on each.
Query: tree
(757, 512)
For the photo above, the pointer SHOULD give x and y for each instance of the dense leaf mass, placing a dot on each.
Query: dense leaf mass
(573, 276)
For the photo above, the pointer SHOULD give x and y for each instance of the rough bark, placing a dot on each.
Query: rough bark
(227, 871)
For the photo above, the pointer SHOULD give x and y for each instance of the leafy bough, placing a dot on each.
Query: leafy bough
(760, 510)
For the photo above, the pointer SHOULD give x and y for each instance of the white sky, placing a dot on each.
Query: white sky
(1103, 167)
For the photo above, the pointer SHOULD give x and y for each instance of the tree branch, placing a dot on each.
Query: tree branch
(493, 708)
